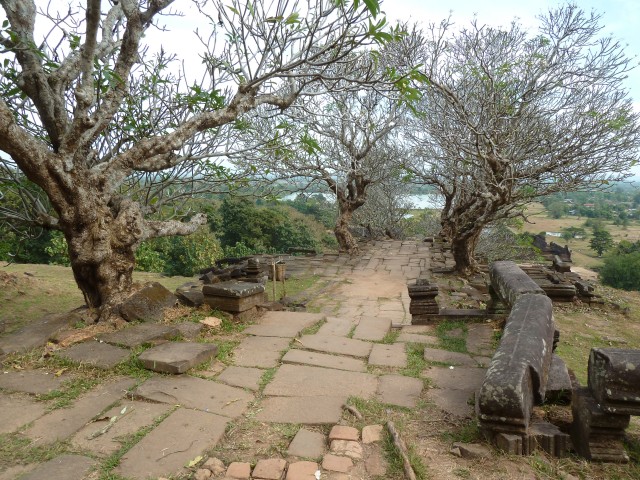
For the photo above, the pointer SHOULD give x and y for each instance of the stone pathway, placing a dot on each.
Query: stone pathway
(313, 363)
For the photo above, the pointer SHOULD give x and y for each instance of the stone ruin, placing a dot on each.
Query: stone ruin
(518, 375)
(602, 411)
(551, 250)
(524, 372)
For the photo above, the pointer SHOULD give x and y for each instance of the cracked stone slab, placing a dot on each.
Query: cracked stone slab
(388, 355)
(283, 324)
(191, 392)
(35, 382)
(339, 362)
(168, 448)
(243, 377)
(262, 352)
(306, 381)
(62, 423)
(18, 410)
(399, 390)
(457, 378)
(301, 410)
(136, 335)
(454, 402)
(372, 328)
(177, 357)
(100, 355)
(338, 345)
(136, 416)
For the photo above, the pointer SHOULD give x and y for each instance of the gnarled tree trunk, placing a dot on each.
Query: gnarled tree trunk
(343, 235)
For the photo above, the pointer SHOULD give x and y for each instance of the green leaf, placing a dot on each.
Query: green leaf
(293, 18)
(233, 10)
(373, 6)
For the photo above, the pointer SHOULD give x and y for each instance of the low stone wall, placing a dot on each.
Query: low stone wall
(517, 376)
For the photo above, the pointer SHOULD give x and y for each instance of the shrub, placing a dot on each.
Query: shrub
(622, 271)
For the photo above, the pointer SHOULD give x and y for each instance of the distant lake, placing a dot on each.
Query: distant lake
(420, 201)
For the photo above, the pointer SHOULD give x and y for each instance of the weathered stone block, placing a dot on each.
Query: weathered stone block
(148, 304)
(559, 383)
(614, 379)
(596, 434)
(177, 357)
(517, 376)
(510, 282)
(233, 296)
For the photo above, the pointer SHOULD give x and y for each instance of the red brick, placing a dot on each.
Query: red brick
(269, 469)
(342, 432)
(239, 470)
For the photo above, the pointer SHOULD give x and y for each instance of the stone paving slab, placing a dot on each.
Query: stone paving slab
(243, 377)
(36, 382)
(63, 467)
(263, 352)
(372, 328)
(170, 446)
(35, 334)
(177, 357)
(100, 355)
(388, 355)
(18, 410)
(417, 338)
(136, 335)
(137, 415)
(192, 392)
(339, 345)
(451, 358)
(305, 381)
(307, 444)
(480, 339)
(338, 326)
(61, 424)
(339, 362)
(399, 390)
(457, 378)
(283, 324)
(454, 402)
(16, 471)
(189, 330)
(301, 410)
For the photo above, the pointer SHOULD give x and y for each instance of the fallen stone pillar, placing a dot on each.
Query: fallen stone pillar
(518, 373)
(517, 376)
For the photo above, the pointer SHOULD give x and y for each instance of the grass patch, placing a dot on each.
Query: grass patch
(18, 450)
(351, 332)
(466, 433)
(394, 459)
(267, 376)
(391, 336)
(453, 336)
(313, 329)
(225, 349)
(293, 286)
(70, 390)
(415, 360)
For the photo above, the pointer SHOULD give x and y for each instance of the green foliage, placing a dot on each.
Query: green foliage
(185, 255)
(601, 241)
(622, 271)
(148, 259)
(557, 209)
(58, 250)
(247, 229)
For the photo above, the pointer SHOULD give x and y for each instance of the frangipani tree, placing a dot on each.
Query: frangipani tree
(109, 137)
(508, 116)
